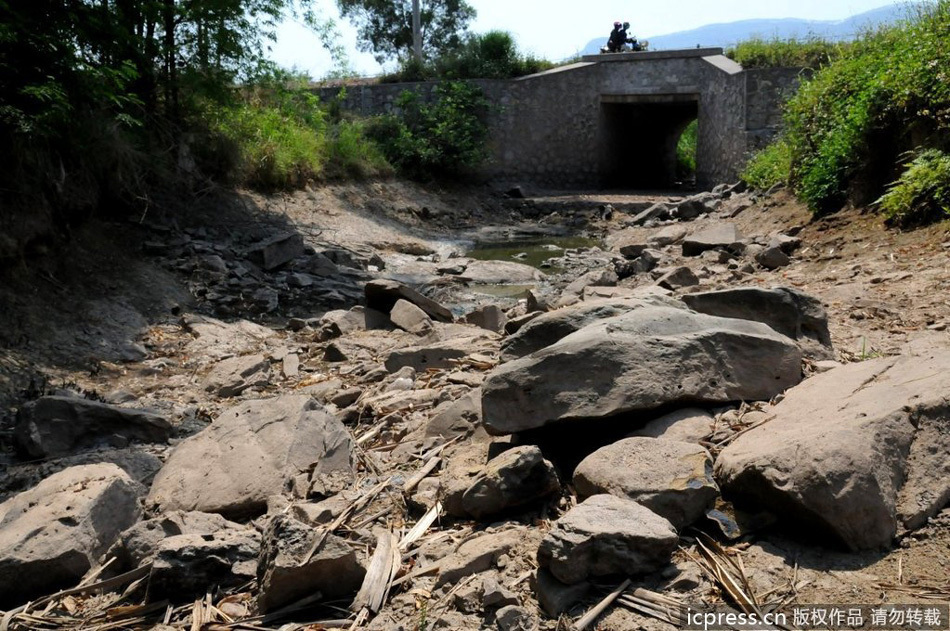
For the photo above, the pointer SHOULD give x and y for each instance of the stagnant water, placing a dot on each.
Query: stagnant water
(534, 251)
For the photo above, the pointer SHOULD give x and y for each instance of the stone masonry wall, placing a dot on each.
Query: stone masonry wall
(549, 129)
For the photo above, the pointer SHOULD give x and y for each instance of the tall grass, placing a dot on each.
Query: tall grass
(283, 137)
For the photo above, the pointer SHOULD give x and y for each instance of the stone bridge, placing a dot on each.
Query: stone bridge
(613, 121)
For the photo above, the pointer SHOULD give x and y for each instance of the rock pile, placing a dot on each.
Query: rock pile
(395, 458)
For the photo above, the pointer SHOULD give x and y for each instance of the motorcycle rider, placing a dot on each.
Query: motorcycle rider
(617, 39)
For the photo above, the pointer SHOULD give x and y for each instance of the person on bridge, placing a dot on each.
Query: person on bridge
(618, 37)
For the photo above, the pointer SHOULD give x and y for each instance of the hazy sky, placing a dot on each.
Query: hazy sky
(557, 29)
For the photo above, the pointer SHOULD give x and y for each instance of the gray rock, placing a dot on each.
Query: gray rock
(654, 212)
(514, 618)
(647, 261)
(476, 555)
(689, 425)
(515, 324)
(323, 512)
(722, 235)
(489, 317)
(546, 329)
(678, 279)
(772, 257)
(494, 595)
(336, 323)
(231, 377)
(52, 534)
(215, 339)
(347, 397)
(606, 535)
(556, 597)
(673, 479)
(459, 418)
(596, 278)
(382, 295)
(500, 273)
(138, 544)
(185, 566)
(516, 477)
(633, 248)
(276, 251)
(284, 576)
(858, 453)
(437, 355)
(788, 311)
(58, 425)
(409, 317)
(691, 208)
(250, 452)
(668, 236)
(643, 360)
(536, 301)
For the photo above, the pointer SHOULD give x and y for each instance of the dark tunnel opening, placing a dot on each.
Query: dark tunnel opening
(639, 136)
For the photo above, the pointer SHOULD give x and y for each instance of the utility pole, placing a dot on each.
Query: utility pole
(416, 31)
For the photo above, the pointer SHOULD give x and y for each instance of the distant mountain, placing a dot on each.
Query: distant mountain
(725, 35)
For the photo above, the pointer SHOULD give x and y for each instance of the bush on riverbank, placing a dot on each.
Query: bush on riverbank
(856, 125)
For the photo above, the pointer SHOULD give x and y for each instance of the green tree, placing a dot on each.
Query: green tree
(385, 26)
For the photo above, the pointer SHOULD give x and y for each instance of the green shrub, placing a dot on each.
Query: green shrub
(811, 52)
(922, 193)
(768, 167)
(277, 150)
(846, 129)
(352, 154)
(446, 138)
(686, 150)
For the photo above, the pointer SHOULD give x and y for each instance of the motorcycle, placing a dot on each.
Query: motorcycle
(631, 45)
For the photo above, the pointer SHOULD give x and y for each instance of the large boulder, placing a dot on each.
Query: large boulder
(52, 534)
(287, 571)
(858, 453)
(673, 479)
(59, 425)
(648, 358)
(606, 535)
(250, 452)
(788, 311)
(382, 295)
(548, 328)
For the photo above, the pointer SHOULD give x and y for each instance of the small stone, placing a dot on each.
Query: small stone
(556, 597)
(514, 618)
(285, 575)
(678, 278)
(606, 535)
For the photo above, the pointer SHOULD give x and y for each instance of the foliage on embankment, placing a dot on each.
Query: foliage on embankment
(861, 121)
